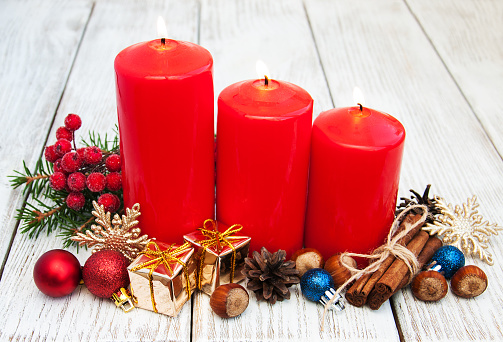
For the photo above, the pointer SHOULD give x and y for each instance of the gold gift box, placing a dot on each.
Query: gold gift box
(219, 256)
(163, 277)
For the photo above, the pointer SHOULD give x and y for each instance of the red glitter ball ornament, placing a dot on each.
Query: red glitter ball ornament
(57, 273)
(105, 272)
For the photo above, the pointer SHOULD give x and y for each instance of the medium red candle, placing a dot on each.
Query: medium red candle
(165, 107)
(263, 139)
(356, 154)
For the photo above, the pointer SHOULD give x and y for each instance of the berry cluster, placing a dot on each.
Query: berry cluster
(79, 171)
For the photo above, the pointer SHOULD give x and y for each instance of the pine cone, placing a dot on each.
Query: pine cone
(430, 203)
(269, 276)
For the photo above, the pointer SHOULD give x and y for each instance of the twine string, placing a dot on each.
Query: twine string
(391, 247)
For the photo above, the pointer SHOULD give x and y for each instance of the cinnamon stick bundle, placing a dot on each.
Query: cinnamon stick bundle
(391, 279)
(431, 246)
(358, 293)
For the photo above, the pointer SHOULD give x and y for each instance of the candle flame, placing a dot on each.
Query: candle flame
(262, 70)
(162, 31)
(358, 96)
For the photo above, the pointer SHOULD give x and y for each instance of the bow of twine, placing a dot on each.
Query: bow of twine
(163, 257)
(215, 238)
(391, 247)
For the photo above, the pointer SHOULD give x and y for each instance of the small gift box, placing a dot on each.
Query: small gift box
(163, 277)
(219, 256)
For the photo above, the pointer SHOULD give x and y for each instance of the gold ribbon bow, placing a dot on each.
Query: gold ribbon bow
(215, 238)
(166, 257)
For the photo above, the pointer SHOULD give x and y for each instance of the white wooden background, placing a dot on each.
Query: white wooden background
(435, 65)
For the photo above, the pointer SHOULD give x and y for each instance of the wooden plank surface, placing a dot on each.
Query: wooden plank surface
(394, 63)
(37, 47)
(90, 92)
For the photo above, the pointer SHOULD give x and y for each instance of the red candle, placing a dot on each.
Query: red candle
(263, 139)
(165, 107)
(356, 154)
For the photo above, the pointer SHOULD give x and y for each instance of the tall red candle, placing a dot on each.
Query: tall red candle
(165, 107)
(356, 154)
(263, 139)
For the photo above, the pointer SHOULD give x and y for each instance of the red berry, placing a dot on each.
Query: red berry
(114, 181)
(62, 146)
(63, 133)
(71, 162)
(81, 152)
(110, 202)
(113, 163)
(73, 122)
(57, 166)
(96, 182)
(92, 155)
(57, 181)
(75, 200)
(76, 181)
(50, 154)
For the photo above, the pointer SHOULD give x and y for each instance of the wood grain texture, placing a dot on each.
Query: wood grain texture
(394, 63)
(90, 93)
(37, 47)
(468, 35)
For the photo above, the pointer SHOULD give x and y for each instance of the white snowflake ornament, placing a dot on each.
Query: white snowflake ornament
(123, 237)
(463, 228)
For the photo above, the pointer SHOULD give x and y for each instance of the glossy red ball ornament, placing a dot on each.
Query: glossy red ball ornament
(57, 273)
(105, 272)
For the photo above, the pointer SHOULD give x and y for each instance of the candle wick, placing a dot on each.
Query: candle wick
(163, 42)
(361, 107)
(266, 80)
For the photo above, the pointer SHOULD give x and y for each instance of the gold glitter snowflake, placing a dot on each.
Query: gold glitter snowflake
(123, 236)
(463, 228)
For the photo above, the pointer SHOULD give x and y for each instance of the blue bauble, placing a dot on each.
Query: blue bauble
(315, 282)
(447, 260)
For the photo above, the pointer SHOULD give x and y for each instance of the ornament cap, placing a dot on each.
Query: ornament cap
(123, 299)
(337, 305)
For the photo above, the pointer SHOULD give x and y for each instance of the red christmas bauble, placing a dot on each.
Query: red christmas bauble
(57, 273)
(105, 272)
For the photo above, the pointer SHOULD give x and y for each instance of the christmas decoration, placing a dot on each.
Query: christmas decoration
(447, 260)
(460, 226)
(57, 273)
(163, 277)
(269, 275)
(229, 300)
(469, 281)
(317, 286)
(220, 255)
(105, 272)
(123, 236)
(58, 193)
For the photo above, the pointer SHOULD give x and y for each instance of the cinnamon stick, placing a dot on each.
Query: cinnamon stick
(358, 293)
(390, 280)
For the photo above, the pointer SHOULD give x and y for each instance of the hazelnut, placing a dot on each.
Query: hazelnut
(306, 259)
(469, 281)
(429, 286)
(229, 300)
(339, 273)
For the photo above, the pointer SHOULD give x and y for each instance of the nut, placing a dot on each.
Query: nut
(306, 259)
(338, 272)
(469, 281)
(229, 300)
(429, 286)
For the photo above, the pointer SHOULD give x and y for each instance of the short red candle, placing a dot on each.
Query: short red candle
(165, 107)
(263, 139)
(356, 155)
